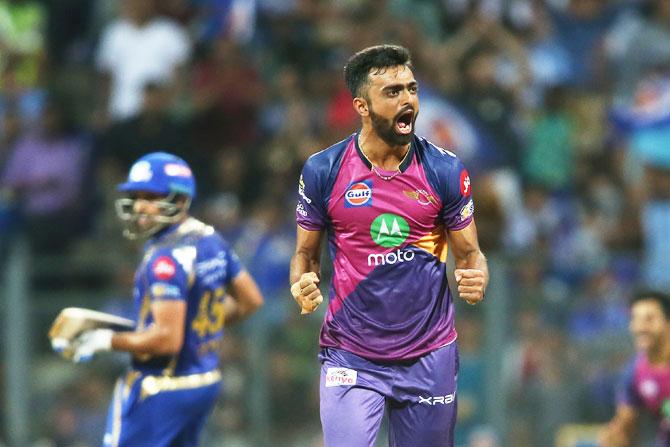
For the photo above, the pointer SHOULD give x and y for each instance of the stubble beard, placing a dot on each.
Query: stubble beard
(385, 129)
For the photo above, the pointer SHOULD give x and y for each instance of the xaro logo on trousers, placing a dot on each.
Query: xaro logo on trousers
(435, 400)
(389, 230)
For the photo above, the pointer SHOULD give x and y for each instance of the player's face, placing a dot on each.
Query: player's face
(648, 325)
(393, 104)
(146, 209)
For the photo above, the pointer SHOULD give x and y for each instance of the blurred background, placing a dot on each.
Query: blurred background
(560, 110)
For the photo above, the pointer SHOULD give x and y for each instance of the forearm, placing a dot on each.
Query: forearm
(621, 430)
(153, 341)
(474, 259)
(302, 262)
(236, 311)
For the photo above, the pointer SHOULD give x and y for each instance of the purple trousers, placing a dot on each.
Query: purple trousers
(420, 396)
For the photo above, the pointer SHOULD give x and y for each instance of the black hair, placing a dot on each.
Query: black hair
(376, 57)
(661, 298)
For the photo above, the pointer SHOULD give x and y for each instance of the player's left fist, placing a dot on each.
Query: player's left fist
(90, 342)
(471, 284)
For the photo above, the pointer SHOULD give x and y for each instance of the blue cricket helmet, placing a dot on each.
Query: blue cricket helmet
(160, 173)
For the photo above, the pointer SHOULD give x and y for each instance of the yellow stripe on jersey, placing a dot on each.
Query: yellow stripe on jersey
(434, 243)
(116, 416)
(152, 385)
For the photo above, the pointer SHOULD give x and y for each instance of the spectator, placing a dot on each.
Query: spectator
(45, 175)
(138, 47)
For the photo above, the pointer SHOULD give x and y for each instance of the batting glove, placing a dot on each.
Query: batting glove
(92, 341)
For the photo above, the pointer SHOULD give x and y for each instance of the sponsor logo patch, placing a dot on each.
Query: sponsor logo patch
(389, 230)
(649, 388)
(435, 400)
(465, 183)
(358, 194)
(665, 409)
(177, 170)
(394, 257)
(301, 210)
(301, 190)
(165, 290)
(467, 210)
(164, 268)
(340, 377)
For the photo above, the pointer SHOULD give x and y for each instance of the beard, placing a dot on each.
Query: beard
(385, 128)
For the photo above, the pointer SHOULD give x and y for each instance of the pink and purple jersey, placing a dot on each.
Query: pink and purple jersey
(389, 297)
(646, 386)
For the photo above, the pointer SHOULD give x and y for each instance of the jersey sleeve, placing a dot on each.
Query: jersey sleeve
(233, 264)
(310, 213)
(626, 392)
(168, 275)
(458, 208)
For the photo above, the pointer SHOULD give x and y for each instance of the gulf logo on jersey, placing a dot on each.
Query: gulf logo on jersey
(358, 194)
(164, 268)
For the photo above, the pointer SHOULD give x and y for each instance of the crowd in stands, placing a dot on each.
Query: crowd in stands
(560, 109)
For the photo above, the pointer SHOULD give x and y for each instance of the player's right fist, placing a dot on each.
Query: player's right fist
(306, 292)
(89, 342)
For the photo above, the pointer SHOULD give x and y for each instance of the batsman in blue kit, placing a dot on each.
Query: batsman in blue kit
(188, 286)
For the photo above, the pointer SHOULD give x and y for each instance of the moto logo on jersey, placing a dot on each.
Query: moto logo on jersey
(389, 230)
(164, 268)
(394, 257)
(358, 194)
(434, 400)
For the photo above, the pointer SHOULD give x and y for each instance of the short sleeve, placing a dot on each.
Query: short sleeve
(458, 208)
(233, 265)
(310, 213)
(167, 278)
(626, 392)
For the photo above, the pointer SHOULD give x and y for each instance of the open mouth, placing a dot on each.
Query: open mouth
(404, 122)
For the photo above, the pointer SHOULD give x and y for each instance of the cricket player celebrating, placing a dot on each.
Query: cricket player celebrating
(390, 203)
(188, 286)
(646, 383)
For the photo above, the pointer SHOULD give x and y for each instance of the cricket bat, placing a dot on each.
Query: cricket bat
(72, 321)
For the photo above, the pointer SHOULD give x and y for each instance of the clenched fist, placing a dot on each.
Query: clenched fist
(306, 292)
(471, 284)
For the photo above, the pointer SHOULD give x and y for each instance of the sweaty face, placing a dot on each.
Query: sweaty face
(648, 325)
(393, 104)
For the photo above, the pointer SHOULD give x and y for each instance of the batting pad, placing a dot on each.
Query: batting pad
(72, 321)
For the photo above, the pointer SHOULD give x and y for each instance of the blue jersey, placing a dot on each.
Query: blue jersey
(190, 262)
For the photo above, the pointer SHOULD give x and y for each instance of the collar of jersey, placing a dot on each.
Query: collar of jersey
(165, 232)
(403, 166)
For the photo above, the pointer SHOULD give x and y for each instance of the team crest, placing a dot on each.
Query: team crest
(422, 196)
(140, 172)
(358, 194)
